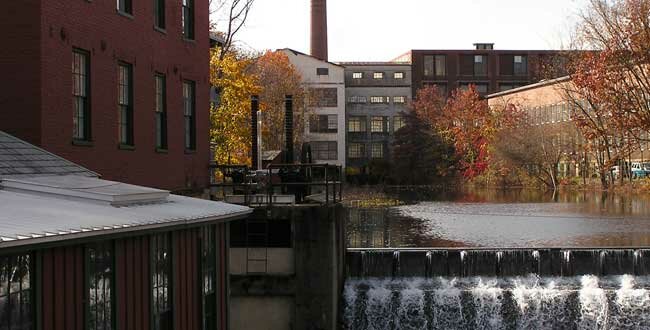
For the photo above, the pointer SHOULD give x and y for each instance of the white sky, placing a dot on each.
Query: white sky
(379, 30)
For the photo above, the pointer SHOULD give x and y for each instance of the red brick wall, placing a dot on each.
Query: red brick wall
(109, 37)
(19, 63)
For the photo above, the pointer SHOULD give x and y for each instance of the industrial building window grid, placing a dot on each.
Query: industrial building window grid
(161, 111)
(481, 88)
(377, 150)
(356, 124)
(125, 103)
(399, 99)
(324, 97)
(81, 94)
(378, 100)
(100, 274)
(480, 65)
(125, 6)
(378, 75)
(159, 13)
(398, 122)
(398, 75)
(322, 71)
(325, 150)
(356, 150)
(357, 100)
(323, 124)
(189, 114)
(161, 288)
(16, 304)
(357, 75)
(187, 19)
(209, 276)
(378, 124)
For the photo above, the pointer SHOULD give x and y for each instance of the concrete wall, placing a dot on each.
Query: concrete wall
(307, 66)
(262, 313)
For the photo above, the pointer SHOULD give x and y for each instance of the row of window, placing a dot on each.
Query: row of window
(376, 99)
(475, 65)
(16, 276)
(378, 75)
(324, 150)
(378, 124)
(160, 14)
(358, 150)
(81, 94)
(482, 88)
(550, 113)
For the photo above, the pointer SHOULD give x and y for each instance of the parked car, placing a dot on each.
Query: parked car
(640, 170)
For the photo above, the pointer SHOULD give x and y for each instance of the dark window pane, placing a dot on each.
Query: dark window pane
(161, 282)
(189, 114)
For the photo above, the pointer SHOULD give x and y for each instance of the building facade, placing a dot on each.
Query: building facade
(325, 128)
(488, 69)
(119, 87)
(377, 95)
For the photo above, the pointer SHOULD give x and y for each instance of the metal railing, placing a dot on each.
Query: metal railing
(307, 183)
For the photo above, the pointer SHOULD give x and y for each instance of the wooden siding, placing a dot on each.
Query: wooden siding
(63, 288)
(133, 283)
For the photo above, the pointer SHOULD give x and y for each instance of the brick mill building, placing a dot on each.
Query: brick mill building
(118, 87)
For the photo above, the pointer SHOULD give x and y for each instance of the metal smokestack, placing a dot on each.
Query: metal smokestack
(288, 128)
(255, 107)
(319, 29)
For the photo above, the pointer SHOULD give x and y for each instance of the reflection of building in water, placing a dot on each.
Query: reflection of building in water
(368, 228)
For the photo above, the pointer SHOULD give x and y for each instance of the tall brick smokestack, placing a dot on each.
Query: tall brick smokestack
(319, 29)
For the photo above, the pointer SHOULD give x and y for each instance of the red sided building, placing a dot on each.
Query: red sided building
(120, 87)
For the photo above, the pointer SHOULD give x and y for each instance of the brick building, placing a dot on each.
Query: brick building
(118, 87)
(488, 69)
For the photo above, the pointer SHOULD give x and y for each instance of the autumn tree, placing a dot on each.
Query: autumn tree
(278, 78)
(230, 133)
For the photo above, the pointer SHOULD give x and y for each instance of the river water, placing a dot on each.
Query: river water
(511, 218)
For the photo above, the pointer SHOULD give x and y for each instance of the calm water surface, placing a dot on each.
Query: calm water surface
(514, 218)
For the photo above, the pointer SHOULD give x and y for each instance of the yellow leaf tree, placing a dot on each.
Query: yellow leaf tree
(230, 119)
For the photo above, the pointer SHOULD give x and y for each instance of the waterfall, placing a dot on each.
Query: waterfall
(530, 302)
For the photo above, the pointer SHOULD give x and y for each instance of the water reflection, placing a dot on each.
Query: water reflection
(511, 218)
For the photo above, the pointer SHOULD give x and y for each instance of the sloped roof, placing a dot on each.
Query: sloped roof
(19, 158)
(30, 219)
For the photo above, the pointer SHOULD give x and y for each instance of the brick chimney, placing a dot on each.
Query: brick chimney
(319, 29)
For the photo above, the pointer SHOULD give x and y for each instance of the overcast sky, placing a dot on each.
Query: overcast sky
(379, 30)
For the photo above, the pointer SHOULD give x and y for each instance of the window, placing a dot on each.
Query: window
(357, 75)
(159, 13)
(161, 111)
(520, 65)
(480, 65)
(187, 19)
(189, 114)
(125, 6)
(399, 99)
(125, 103)
(322, 71)
(100, 286)
(81, 95)
(16, 307)
(398, 122)
(441, 65)
(356, 150)
(325, 150)
(481, 88)
(398, 75)
(435, 65)
(323, 124)
(377, 150)
(378, 75)
(357, 100)
(161, 288)
(378, 99)
(209, 276)
(356, 124)
(377, 124)
(324, 97)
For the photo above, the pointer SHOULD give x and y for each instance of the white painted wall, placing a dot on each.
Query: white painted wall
(307, 66)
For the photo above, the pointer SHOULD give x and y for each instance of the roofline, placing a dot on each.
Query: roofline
(496, 50)
(346, 64)
(17, 243)
(528, 87)
(307, 55)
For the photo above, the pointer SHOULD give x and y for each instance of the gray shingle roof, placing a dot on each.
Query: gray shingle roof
(19, 158)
